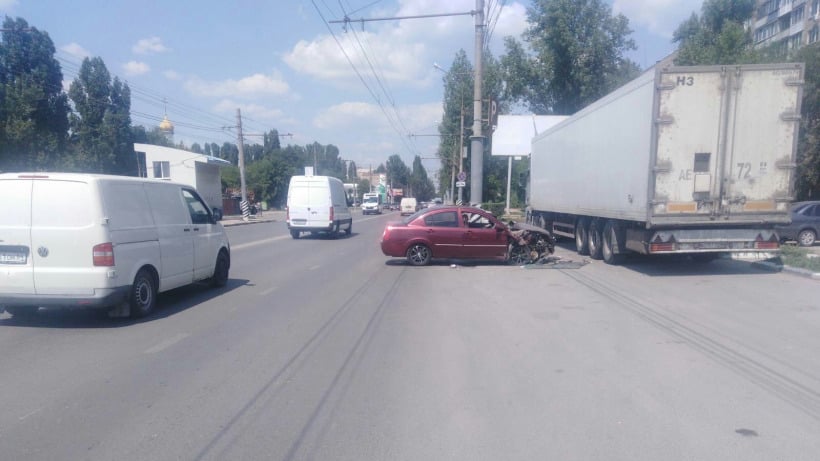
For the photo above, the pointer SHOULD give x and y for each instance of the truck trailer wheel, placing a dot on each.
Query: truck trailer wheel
(594, 239)
(612, 243)
(581, 240)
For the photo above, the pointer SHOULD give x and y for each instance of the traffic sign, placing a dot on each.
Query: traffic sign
(461, 184)
(462, 176)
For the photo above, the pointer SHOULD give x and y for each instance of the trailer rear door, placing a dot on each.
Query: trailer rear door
(725, 143)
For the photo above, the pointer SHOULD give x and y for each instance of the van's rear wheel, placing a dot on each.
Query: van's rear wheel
(294, 233)
(143, 295)
(221, 268)
(349, 229)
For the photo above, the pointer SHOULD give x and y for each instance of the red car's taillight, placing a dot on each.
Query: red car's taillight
(103, 254)
(386, 234)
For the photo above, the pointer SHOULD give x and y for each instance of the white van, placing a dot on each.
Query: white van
(408, 206)
(81, 240)
(317, 204)
(371, 203)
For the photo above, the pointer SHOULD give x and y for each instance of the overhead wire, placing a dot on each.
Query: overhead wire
(373, 94)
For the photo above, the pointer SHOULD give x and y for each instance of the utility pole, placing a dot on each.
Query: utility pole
(241, 145)
(461, 154)
(477, 140)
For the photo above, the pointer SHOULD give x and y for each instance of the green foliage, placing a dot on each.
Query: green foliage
(495, 208)
(718, 35)
(807, 186)
(33, 108)
(795, 256)
(577, 56)
(421, 185)
(101, 123)
(398, 172)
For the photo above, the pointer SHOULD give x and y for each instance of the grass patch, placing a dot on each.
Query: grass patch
(795, 256)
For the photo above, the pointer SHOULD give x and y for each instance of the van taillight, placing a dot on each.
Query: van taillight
(331, 214)
(103, 254)
(287, 214)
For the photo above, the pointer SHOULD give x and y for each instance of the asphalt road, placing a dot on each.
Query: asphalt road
(325, 349)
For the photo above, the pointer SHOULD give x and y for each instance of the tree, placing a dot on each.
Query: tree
(33, 108)
(718, 35)
(807, 186)
(577, 56)
(101, 124)
(153, 136)
(421, 185)
(398, 174)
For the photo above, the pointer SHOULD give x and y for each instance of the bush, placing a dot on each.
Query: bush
(797, 257)
(497, 209)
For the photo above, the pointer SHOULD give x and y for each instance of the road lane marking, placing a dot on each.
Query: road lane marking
(242, 246)
(268, 291)
(167, 343)
(30, 414)
(313, 268)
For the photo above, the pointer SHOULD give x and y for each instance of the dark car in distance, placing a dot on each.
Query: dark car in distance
(805, 225)
(448, 232)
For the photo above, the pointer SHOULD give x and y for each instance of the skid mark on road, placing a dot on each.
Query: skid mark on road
(801, 396)
(227, 435)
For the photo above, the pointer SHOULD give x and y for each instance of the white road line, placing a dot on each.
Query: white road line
(268, 291)
(30, 414)
(314, 267)
(258, 242)
(167, 343)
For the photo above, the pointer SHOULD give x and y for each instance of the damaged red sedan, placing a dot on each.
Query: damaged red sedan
(449, 232)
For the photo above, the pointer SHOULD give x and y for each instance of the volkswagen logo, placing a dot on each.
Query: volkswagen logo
(42, 251)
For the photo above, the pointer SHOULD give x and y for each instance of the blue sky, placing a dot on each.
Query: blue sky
(282, 64)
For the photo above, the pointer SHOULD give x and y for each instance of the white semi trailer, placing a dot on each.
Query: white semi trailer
(696, 160)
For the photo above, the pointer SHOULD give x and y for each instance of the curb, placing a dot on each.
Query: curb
(773, 267)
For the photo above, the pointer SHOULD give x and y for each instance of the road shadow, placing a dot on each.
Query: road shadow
(676, 265)
(326, 236)
(449, 263)
(168, 303)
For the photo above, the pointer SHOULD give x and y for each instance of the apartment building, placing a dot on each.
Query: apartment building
(789, 24)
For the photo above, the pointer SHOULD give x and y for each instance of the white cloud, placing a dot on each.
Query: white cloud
(659, 17)
(75, 50)
(150, 45)
(399, 52)
(255, 111)
(347, 114)
(172, 75)
(135, 68)
(254, 85)
(8, 5)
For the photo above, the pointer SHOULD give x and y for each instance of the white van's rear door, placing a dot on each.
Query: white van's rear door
(63, 235)
(309, 203)
(16, 266)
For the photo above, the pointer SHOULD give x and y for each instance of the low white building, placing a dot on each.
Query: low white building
(198, 170)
